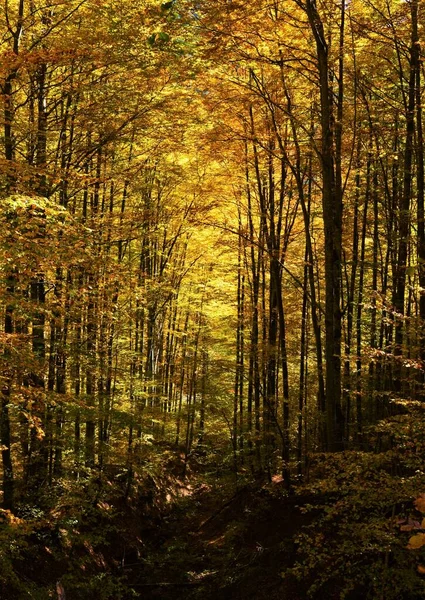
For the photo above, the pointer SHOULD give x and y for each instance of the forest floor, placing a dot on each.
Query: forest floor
(215, 547)
(209, 537)
(204, 541)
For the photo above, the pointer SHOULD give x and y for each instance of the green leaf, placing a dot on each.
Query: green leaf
(164, 37)
(151, 39)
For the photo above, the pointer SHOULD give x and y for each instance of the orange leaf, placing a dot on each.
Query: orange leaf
(416, 541)
(420, 503)
(421, 569)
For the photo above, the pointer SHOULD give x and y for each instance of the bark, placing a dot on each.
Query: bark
(332, 218)
(5, 427)
(404, 209)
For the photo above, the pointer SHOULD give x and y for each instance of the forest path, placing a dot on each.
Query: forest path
(229, 550)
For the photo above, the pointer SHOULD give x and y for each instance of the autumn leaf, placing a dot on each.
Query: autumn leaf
(416, 541)
(420, 503)
(421, 569)
(411, 524)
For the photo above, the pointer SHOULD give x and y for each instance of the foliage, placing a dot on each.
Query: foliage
(212, 266)
(365, 511)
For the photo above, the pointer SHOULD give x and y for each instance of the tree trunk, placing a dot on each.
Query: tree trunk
(332, 218)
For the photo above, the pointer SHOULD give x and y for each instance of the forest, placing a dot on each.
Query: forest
(212, 300)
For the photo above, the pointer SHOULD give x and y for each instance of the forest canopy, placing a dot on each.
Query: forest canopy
(212, 286)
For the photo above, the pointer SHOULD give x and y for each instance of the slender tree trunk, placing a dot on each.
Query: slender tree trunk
(420, 186)
(404, 211)
(5, 428)
(332, 218)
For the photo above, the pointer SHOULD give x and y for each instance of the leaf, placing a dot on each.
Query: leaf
(60, 591)
(421, 569)
(420, 503)
(164, 37)
(416, 541)
(151, 39)
(412, 524)
(167, 5)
